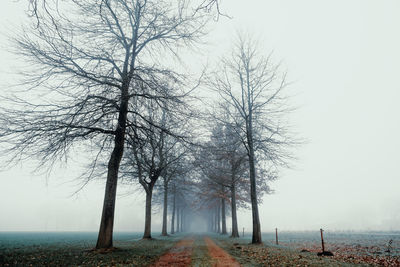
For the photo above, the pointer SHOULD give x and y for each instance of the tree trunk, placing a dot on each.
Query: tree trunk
(177, 220)
(173, 214)
(256, 239)
(147, 222)
(218, 218)
(223, 216)
(213, 221)
(209, 223)
(164, 224)
(182, 214)
(105, 237)
(235, 230)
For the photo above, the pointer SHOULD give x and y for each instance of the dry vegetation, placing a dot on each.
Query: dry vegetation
(271, 255)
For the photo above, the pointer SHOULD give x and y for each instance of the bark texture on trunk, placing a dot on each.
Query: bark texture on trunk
(218, 219)
(173, 214)
(223, 214)
(105, 237)
(178, 219)
(147, 222)
(235, 230)
(164, 224)
(256, 238)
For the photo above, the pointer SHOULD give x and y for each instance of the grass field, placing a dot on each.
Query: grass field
(374, 248)
(368, 243)
(75, 249)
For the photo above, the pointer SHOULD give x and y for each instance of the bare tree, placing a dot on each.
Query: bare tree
(154, 153)
(252, 90)
(232, 157)
(88, 60)
(169, 174)
(173, 192)
(203, 5)
(222, 161)
(180, 189)
(176, 170)
(209, 5)
(165, 195)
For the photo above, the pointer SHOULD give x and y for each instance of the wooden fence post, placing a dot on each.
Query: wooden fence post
(322, 240)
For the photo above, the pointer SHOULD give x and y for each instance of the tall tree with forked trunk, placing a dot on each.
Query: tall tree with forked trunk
(252, 88)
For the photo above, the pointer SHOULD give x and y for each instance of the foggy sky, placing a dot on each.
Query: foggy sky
(343, 60)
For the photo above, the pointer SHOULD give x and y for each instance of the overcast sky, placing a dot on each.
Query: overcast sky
(343, 58)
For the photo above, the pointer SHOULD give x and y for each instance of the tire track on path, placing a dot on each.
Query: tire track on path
(180, 255)
(219, 257)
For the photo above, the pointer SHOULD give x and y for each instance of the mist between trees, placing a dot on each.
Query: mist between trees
(101, 78)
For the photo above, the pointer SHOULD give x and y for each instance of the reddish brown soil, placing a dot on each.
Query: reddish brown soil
(219, 257)
(179, 255)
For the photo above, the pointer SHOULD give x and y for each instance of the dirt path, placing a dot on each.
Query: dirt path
(180, 255)
(200, 256)
(219, 257)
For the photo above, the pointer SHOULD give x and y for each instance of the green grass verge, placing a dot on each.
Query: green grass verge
(200, 256)
(127, 253)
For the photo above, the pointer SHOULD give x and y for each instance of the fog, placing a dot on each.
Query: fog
(343, 60)
(197, 224)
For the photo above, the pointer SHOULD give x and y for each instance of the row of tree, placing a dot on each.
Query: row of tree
(102, 78)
